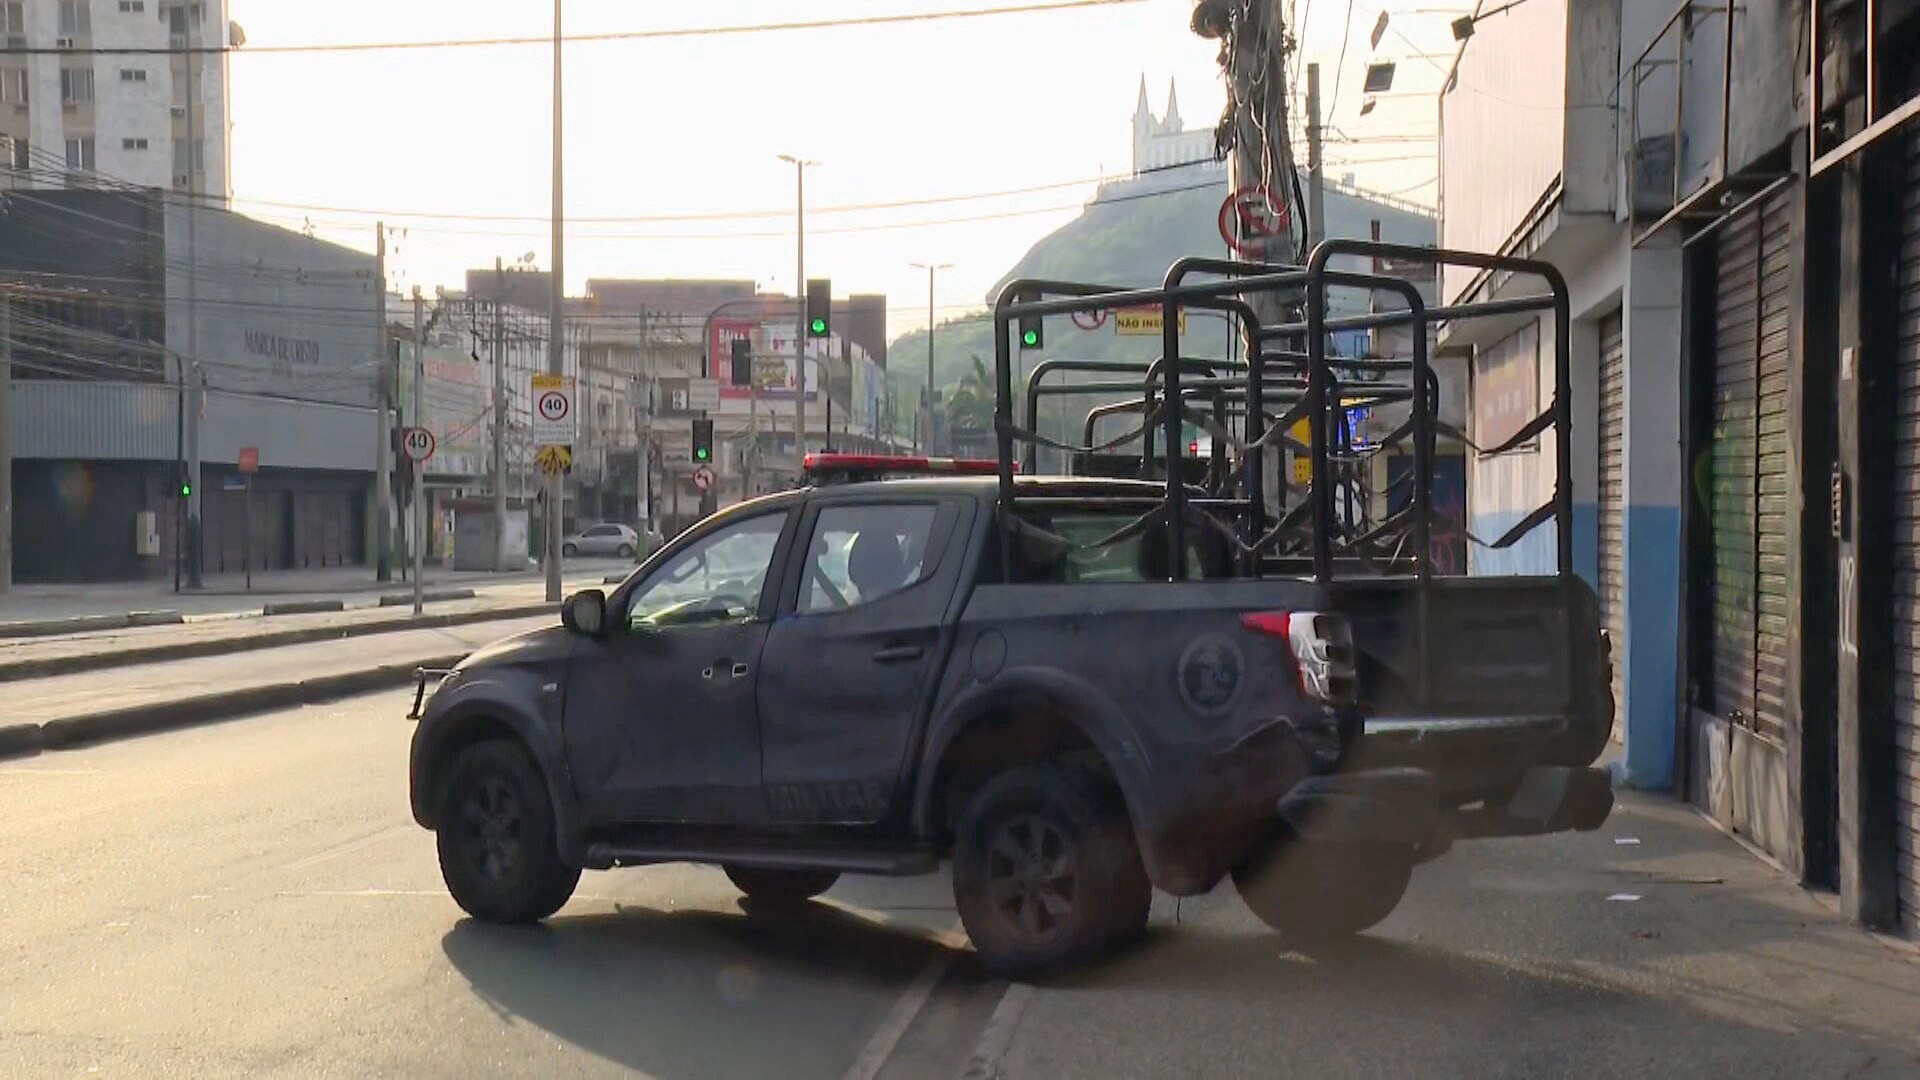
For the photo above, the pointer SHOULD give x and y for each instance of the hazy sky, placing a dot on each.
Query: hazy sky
(690, 127)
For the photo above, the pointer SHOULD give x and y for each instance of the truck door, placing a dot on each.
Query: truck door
(849, 662)
(661, 723)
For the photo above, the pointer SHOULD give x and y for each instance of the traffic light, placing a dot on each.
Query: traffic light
(819, 307)
(702, 441)
(742, 362)
(1031, 336)
(183, 480)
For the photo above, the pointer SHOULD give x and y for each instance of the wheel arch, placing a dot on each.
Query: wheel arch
(471, 722)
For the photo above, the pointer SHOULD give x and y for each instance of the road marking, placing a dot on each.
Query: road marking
(350, 847)
(881, 1043)
(991, 1051)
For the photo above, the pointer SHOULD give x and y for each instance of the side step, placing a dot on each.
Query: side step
(880, 862)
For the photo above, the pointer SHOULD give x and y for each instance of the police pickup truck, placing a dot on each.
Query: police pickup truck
(873, 675)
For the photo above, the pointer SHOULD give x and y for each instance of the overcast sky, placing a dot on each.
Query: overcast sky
(693, 127)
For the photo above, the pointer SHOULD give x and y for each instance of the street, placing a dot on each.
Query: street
(252, 898)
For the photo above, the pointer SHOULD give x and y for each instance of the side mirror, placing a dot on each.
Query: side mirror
(585, 612)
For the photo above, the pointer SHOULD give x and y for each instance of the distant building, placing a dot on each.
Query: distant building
(88, 118)
(1164, 142)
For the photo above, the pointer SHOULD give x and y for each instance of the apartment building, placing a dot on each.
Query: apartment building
(83, 114)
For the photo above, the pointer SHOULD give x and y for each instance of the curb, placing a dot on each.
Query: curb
(302, 607)
(209, 708)
(186, 650)
(432, 597)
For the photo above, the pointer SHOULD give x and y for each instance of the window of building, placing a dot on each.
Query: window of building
(76, 86)
(80, 152)
(13, 17)
(133, 144)
(177, 20)
(22, 154)
(180, 163)
(76, 17)
(13, 86)
(133, 6)
(133, 74)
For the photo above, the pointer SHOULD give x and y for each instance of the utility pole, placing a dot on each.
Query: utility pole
(927, 420)
(1317, 185)
(800, 312)
(194, 552)
(6, 445)
(419, 544)
(499, 417)
(643, 430)
(383, 378)
(556, 302)
(194, 410)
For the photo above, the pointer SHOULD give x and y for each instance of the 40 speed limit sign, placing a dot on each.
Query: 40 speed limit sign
(552, 410)
(417, 443)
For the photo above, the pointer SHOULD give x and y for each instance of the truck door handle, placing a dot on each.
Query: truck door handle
(898, 654)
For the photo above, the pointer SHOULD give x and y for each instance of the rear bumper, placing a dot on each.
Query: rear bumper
(1471, 757)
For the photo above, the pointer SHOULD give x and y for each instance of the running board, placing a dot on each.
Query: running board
(884, 862)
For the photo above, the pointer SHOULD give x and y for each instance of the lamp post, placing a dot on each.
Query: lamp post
(800, 311)
(926, 446)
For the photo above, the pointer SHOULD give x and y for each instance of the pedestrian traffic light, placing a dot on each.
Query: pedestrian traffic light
(742, 362)
(819, 307)
(702, 441)
(182, 480)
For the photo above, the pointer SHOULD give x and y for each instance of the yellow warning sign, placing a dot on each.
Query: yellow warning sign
(1142, 321)
(554, 460)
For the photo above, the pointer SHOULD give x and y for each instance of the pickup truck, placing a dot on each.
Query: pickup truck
(855, 678)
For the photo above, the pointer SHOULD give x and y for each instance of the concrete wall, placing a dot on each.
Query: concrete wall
(268, 311)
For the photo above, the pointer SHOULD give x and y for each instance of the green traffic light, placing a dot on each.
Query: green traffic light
(700, 454)
(819, 326)
(1030, 338)
(186, 490)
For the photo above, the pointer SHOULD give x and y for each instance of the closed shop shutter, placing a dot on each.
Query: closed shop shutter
(1733, 475)
(1906, 532)
(1773, 459)
(1613, 509)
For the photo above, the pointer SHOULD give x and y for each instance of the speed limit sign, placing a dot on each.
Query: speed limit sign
(417, 443)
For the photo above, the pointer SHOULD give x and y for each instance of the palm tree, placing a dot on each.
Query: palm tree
(970, 403)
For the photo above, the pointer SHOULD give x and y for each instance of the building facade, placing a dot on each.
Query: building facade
(1734, 196)
(148, 335)
(73, 117)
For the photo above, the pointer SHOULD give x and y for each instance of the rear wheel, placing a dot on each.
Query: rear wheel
(780, 887)
(625, 552)
(499, 853)
(1323, 891)
(569, 550)
(1045, 870)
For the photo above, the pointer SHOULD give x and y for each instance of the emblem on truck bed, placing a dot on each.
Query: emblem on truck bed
(1211, 672)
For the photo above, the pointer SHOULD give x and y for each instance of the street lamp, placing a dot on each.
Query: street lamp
(800, 310)
(926, 446)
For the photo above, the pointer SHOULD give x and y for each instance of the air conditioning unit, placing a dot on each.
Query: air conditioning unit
(181, 180)
(179, 112)
(63, 43)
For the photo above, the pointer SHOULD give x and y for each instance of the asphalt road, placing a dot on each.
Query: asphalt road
(252, 898)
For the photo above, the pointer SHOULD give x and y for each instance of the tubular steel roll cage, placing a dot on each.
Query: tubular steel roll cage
(1318, 399)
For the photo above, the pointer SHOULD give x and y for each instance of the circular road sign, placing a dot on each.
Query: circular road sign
(418, 444)
(703, 478)
(1252, 216)
(1090, 320)
(553, 405)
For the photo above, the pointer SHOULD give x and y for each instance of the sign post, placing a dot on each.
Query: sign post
(553, 447)
(417, 443)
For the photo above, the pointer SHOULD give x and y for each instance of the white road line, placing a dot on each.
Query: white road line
(991, 1051)
(880, 1045)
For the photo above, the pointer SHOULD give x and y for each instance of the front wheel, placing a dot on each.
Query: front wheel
(1045, 870)
(780, 888)
(625, 552)
(569, 550)
(1324, 891)
(499, 852)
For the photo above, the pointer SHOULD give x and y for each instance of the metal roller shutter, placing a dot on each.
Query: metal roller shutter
(1772, 465)
(1733, 476)
(1906, 533)
(1613, 509)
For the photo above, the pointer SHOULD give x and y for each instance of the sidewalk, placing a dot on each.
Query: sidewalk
(225, 594)
(1656, 947)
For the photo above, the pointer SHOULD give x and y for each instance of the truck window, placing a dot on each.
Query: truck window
(717, 579)
(1037, 559)
(859, 554)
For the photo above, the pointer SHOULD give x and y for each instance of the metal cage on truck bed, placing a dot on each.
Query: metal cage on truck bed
(1247, 406)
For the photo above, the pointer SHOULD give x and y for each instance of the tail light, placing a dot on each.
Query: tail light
(1322, 648)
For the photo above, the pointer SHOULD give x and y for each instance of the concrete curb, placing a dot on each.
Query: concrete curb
(41, 667)
(78, 624)
(17, 740)
(209, 708)
(430, 597)
(302, 607)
